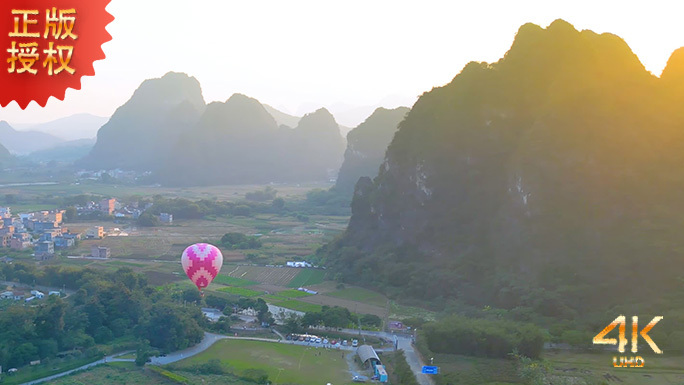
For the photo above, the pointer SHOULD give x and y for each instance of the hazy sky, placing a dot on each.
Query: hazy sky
(299, 55)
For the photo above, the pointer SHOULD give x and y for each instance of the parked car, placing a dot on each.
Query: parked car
(325, 341)
(355, 343)
(333, 342)
(318, 340)
(345, 343)
(358, 379)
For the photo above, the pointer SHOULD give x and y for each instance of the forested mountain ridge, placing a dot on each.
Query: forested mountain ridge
(240, 142)
(536, 182)
(142, 132)
(167, 129)
(366, 146)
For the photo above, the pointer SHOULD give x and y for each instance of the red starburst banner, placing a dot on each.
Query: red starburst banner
(46, 46)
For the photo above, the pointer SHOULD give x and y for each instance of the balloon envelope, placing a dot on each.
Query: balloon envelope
(202, 263)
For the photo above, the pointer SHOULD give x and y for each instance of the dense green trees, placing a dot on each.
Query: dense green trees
(267, 194)
(105, 306)
(483, 337)
(147, 220)
(240, 241)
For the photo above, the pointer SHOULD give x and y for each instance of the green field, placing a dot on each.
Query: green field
(284, 363)
(114, 373)
(32, 373)
(360, 295)
(293, 304)
(307, 277)
(241, 291)
(232, 281)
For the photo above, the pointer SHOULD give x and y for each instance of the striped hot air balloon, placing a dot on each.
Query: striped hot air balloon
(202, 262)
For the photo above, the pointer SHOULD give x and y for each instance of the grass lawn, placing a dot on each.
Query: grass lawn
(27, 374)
(232, 281)
(293, 304)
(284, 363)
(307, 277)
(360, 295)
(241, 291)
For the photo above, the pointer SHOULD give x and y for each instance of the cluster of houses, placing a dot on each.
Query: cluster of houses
(118, 210)
(123, 176)
(19, 232)
(111, 207)
(43, 230)
(19, 295)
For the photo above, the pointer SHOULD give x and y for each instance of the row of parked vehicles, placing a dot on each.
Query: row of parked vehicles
(318, 340)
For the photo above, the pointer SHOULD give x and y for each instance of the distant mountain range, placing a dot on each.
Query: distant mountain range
(66, 152)
(75, 127)
(366, 146)
(240, 142)
(167, 128)
(4, 153)
(25, 142)
(282, 118)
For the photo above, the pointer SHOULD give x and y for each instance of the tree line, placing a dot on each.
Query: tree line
(105, 306)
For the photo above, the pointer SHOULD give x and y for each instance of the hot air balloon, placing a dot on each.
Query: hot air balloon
(202, 262)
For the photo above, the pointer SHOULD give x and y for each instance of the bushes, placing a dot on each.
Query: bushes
(267, 194)
(169, 375)
(240, 241)
(483, 338)
(401, 371)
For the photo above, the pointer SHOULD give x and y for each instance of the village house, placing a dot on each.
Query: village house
(166, 218)
(44, 250)
(96, 232)
(107, 206)
(21, 241)
(5, 240)
(7, 230)
(100, 252)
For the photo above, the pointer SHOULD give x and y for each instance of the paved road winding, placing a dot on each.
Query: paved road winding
(210, 338)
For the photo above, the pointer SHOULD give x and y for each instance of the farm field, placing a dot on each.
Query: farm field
(156, 251)
(230, 193)
(307, 277)
(269, 275)
(284, 363)
(241, 291)
(114, 373)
